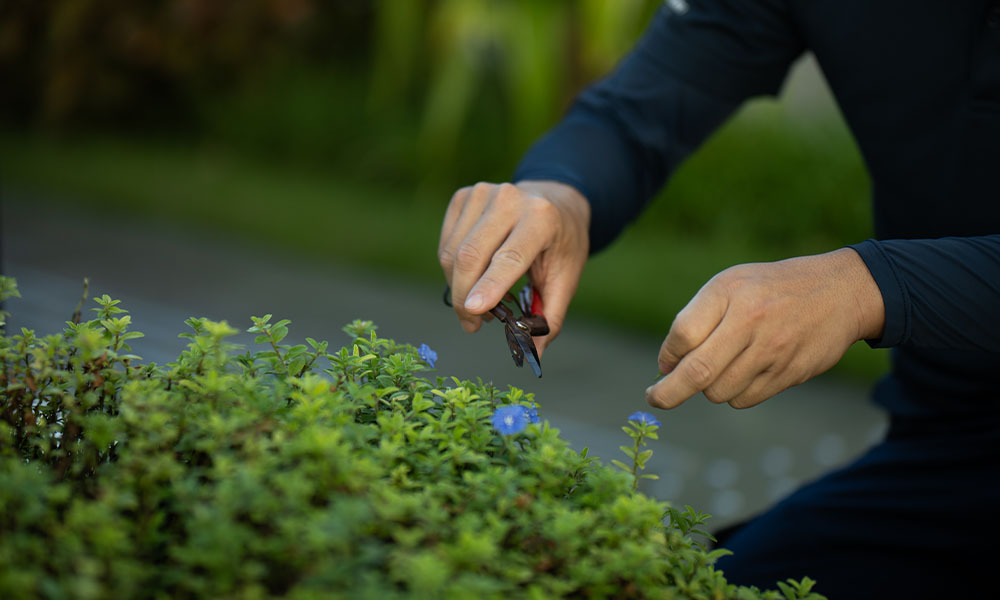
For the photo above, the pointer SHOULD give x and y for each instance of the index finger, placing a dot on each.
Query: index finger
(694, 324)
(511, 260)
(699, 368)
(451, 215)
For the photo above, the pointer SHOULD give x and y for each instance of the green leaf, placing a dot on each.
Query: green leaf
(788, 591)
(621, 465)
(718, 553)
(805, 586)
(296, 366)
(703, 533)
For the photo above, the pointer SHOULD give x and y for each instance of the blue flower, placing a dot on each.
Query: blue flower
(510, 419)
(427, 355)
(531, 412)
(644, 417)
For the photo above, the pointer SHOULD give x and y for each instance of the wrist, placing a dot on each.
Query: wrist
(865, 293)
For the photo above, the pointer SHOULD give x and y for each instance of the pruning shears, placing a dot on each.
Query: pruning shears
(519, 329)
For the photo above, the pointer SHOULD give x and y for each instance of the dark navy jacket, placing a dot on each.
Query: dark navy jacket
(919, 86)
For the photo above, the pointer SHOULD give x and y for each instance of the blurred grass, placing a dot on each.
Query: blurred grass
(759, 190)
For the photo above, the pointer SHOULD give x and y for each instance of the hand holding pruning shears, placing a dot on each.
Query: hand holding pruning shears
(495, 233)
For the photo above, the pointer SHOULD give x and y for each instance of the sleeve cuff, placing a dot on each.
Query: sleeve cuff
(895, 296)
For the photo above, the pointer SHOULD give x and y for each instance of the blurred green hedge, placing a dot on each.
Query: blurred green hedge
(123, 63)
(391, 84)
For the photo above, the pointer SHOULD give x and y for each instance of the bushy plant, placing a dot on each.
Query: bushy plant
(294, 471)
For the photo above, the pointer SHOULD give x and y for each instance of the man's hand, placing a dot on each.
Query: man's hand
(757, 329)
(494, 233)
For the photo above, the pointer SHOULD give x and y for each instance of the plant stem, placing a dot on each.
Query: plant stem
(509, 445)
(277, 352)
(635, 462)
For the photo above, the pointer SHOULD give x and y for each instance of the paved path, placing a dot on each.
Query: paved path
(726, 462)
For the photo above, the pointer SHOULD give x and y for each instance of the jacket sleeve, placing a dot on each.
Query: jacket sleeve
(697, 61)
(938, 293)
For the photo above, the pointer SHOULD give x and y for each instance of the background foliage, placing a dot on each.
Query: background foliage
(263, 71)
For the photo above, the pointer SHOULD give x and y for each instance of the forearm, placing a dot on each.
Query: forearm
(619, 157)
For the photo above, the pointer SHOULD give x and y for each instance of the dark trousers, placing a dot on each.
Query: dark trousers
(915, 517)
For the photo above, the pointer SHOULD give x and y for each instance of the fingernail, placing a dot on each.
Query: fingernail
(474, 301)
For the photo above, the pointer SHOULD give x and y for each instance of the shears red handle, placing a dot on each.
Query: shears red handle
(536, 303)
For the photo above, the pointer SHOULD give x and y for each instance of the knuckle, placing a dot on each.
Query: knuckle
(543, 209)
(510, 256)
(665, 364)
(740, 403)
(779, 345)
(776, 365)
(716, 395)
(698, 371)
(488, 282)
(461, 193)
(446, 256)
(727, 280)
(468, 257)
(793, 374)
(732, 281)
(482, 187)
(680, 335)
(654, 400)
(755, 309)
(508, 197)
(744, 401)
(506, 189)
(667, 360)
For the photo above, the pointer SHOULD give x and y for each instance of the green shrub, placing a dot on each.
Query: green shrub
(298, 472)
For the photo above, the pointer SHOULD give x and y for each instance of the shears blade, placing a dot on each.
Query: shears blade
(519, 330)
